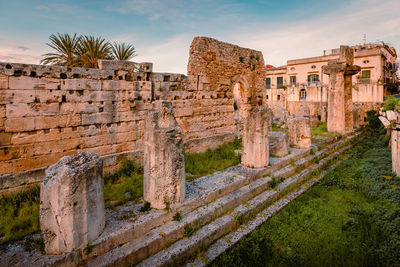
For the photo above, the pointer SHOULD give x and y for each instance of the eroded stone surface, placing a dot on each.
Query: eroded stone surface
(278, 144)
(164, 162)
(72, 212)
(340, 103)
(299, 132)
(255, 138)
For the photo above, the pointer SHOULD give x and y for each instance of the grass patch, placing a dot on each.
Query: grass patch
(350, 218)
(391, 103)
(19, 214)
(126, 184)
(320, 133)
(201, 164)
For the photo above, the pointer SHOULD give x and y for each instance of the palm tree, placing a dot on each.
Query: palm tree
(123, 51)
(92, 49)
(66, 48)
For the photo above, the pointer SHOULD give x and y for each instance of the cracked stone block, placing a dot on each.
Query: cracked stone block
(278, 144)
(164, 162)
(72, 211)
(304, 110)
(255, 138)
(299, 132)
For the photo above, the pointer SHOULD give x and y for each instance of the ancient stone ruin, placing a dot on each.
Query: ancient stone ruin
(340, 103)
(299, 131)
(72, 212)
(164, 162)
(278, 144)
(255, 138)
(391, 121)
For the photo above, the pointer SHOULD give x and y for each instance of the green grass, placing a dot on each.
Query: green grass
(126, 184)
(201, 164)
(19, 214)
(320, 133)
(351, 218)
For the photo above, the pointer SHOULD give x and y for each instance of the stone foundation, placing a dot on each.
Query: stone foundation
(72, 212)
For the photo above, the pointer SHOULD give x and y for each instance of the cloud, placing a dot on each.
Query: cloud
(23, 48)
(42, 7)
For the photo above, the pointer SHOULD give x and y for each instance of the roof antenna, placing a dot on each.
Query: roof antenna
(365, 38)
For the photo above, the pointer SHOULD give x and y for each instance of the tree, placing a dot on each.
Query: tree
(123, 51)
(65, 46)
(91, 49)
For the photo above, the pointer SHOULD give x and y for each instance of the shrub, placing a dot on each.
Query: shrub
(392, 103)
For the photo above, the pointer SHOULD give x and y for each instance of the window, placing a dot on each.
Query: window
(279, 82)
(313, 66)
(267, 97)
(313, 79)
(303, 94)
(268, 83)
(279, 97)
(365, 77)
(292, 80)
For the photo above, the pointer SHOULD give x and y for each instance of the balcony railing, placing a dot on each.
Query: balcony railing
(364, 80)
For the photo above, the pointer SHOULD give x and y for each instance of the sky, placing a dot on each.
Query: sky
(162, 30)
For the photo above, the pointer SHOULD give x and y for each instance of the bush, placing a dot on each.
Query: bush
(392, 103)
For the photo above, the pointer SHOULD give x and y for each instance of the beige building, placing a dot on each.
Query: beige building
(302, 80)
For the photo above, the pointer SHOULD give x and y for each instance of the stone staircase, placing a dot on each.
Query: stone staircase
(216, 212)
(223, 204)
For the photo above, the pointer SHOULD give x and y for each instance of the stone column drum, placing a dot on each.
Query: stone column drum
(340, 103)
(72, 212)
(299, 132)
(255, 138)
(164, 162)
(396, 151)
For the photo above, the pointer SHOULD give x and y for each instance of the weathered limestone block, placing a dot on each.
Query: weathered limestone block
(340, 103)
(385, 122)
(324, 114)
(255, 138)
(278, 144)
(396, 152)
(304, 110)
(164, 162)
(72, 212)
(391, 115)
(357, 117)
(299, 132)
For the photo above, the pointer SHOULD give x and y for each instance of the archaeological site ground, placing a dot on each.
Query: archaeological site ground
(106, 162)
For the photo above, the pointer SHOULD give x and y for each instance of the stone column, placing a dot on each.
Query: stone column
(340, 103)
(299, 132)
(323, 114)
(255, 138)
(72, 212)
(396, 151)
(164, 162)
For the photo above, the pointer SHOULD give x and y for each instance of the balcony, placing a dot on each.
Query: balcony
(364, 80)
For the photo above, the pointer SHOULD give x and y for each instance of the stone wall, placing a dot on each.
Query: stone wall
(47, 112)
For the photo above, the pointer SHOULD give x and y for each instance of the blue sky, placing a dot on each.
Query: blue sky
(163, 30)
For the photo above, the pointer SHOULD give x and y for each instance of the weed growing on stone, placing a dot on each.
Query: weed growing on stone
(125, 184)
(188, 231)
(31, 244)
(19, 214)
(177, 217)
(146, 207)
(201, 164)
(273, 183)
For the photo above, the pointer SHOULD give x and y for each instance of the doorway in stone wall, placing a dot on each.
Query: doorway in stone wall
(238, 105)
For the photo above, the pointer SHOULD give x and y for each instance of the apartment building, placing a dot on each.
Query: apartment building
(302, 80)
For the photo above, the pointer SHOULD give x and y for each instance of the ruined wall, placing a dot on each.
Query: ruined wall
(216, 67)
(47, 112)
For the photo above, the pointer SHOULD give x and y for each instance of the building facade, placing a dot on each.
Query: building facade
(302, 80)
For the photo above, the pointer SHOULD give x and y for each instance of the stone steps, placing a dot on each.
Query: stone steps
(118, 233)
(184, 249)
(229, 240)
(148, 244)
